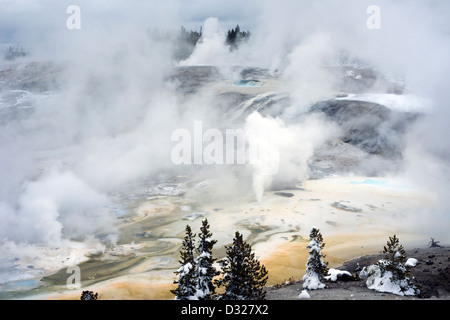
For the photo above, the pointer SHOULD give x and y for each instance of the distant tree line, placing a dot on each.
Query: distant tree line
(235, 37)
(12, 52)
(185, 43)
(190, 36)
(185, 40)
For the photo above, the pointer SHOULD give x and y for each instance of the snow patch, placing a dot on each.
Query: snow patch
(411, 262)
(304, 295)
(404, 103)
(334, 274)
(312, 282)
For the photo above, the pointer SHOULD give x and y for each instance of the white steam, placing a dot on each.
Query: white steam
(109, 124)
(305, 75)
(284, 150)
(211, 48)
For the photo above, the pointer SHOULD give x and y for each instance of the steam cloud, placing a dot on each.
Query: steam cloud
(109, 123)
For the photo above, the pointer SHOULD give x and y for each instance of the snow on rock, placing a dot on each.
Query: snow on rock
(304, 295)
(411, 262)
(363, 274)
(405, 103)
(335, 274)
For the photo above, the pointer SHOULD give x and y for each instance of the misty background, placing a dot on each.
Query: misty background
(103, 121)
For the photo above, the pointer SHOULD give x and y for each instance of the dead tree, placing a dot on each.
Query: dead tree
(433, 243)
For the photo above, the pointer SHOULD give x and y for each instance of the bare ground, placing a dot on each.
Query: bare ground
(431, 274)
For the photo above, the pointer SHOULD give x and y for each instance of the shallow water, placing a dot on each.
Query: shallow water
(370, 182)
(247, 83)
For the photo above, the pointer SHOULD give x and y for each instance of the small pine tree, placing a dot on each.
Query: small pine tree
(316, 268)
(89, 295)
(186, 273)
(243, 275)
(205, 272)
(394, 256)
(394, 263)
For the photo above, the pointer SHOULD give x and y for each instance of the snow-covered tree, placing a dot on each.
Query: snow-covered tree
(186, 288)
(316, 268)
(391, 274)
(89, 295)
(205, 271)
(243, 275)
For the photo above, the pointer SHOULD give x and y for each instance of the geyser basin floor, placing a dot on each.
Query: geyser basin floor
(143, 264)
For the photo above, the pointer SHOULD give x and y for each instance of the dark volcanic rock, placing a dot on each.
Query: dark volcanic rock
(284, 194)
(32, 76)
(344, 207)
(190, 79)
(371, 127)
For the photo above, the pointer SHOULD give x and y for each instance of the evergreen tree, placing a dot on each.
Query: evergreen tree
(316, 268)
(89, 295)
(235, 36)
(243, 275)
(186, 273)
(185, 43)
(394, 265)
(13, 52)
(205, 272)
(394, 256)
